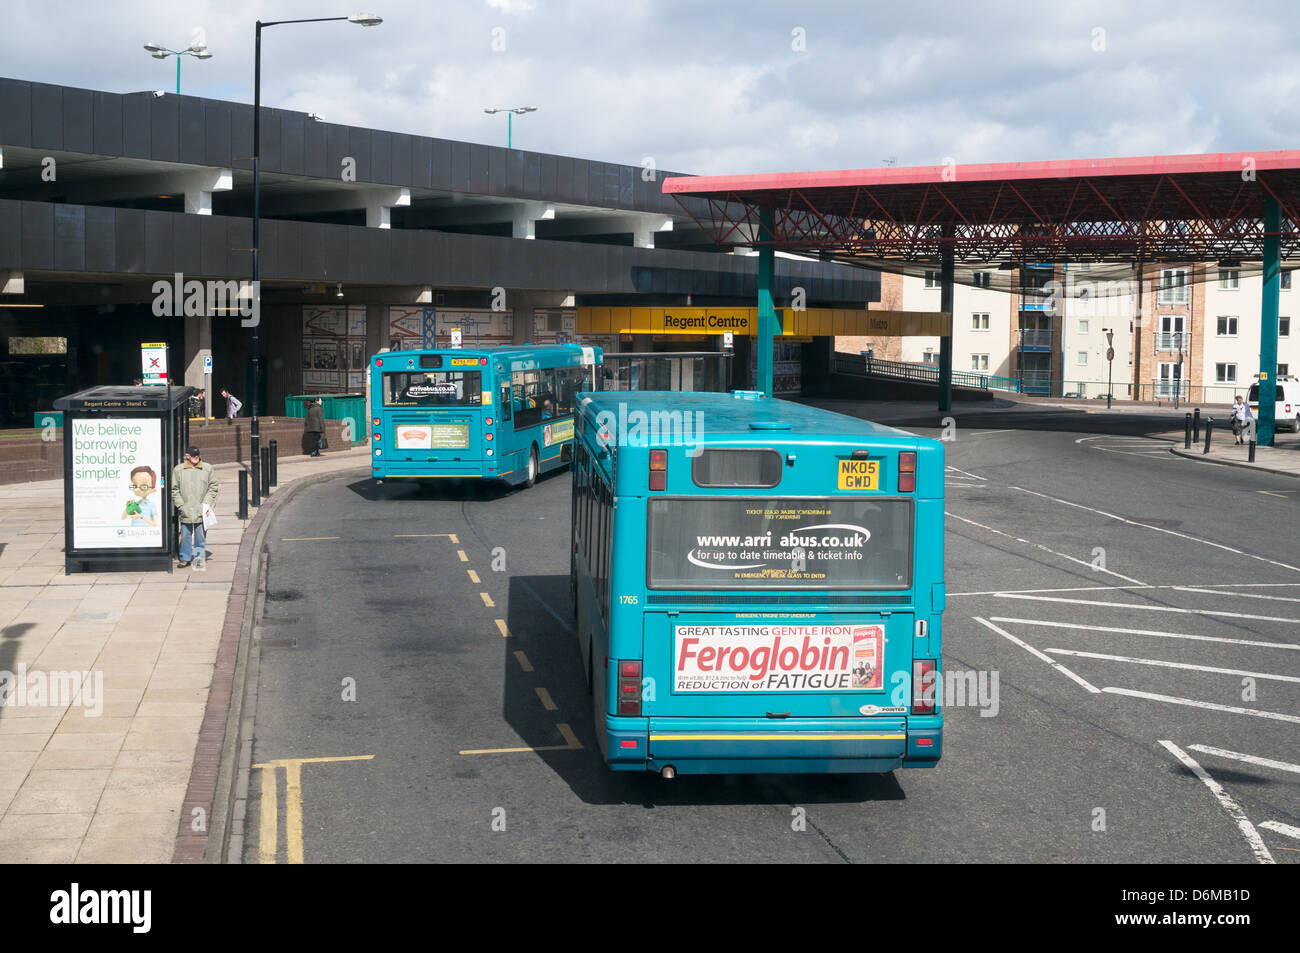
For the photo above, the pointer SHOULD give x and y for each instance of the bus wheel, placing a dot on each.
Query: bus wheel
(532, 467)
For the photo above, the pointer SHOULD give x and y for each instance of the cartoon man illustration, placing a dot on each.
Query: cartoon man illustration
(142, 511)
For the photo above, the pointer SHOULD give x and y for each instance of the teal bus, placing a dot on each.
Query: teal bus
(495, 413)
(758, 585)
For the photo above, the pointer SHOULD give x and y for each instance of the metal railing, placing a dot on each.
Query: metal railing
(1035, 337)
(1173, 341)
(920, 373)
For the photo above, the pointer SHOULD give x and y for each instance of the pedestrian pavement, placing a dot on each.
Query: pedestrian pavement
(1283, 458)
(107, 677)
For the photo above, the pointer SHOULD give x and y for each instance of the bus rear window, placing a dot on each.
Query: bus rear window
(721, 467)
(433, 389)
(776, 542)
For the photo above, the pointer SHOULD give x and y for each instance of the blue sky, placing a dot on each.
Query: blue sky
(722, 87)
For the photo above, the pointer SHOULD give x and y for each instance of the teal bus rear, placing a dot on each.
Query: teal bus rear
(758, 585)
(492, 413)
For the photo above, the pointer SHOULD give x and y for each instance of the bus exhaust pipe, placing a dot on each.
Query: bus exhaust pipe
(668, 772)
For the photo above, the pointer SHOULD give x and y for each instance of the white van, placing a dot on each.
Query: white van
(1287, 414)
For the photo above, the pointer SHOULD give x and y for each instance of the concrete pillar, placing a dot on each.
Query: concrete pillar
(199, 186)
(198, 345)
(12, 283)
(525, 216)
(380, 204)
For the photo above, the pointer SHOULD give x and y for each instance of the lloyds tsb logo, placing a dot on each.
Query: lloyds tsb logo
(212, 298)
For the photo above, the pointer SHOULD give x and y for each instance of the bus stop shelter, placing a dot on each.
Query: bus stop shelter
(1241, 208)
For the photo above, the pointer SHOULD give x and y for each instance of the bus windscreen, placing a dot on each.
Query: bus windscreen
(774, 542)
(433, 389)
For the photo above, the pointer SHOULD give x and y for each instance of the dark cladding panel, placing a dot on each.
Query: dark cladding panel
(334, 238)
(292, 137)
(311, 253)
(441, 174)
(578, 182)
(376, 260)
(595, 182)
(270, 144)
(402, 259)
(546, 167)
(563, 191)
(164, 129)
(214, 245)
(107, 123)
(69, 238)
(135, 126)
(532, 174)
(241, 137)
(337, 148)
(15, 113)
(359, 149)
(239, 244)
(458, 258)
(193, 131)
(288, 249)
(401, 160)
(78, 120)
(128, 235)
(381, 157)
(626, 190)
(497, 177)
(47, 116)
(11, 238)
(158, 242)
(460, 164)
(488, 263)
(430, 259)
(186, 254)
(100, 242)
(216, 135)
(479, 166)
(315, 155)
(515, 168)
(421, 162)
(38, 235)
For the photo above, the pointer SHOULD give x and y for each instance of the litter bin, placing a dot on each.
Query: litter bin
(349, 408)
(119, 447)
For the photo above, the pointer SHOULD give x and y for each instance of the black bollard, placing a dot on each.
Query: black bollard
(1187, 431)
(1209, 429)
(274, 478)
(1251, 457)
(242, 513)
(266, 470)
(1196, 425)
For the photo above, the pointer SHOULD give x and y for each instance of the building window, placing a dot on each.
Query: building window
(980, 279)
(1225, 373)
(1227, 327)
(979, 322)
(30, 346)
(1285, 280)
(1083, 358)
(1284, 327)
(929, 357)
(932, 279)
(1229, 279)
(979, 362)
(1282, 369)
(1173, 286)
(1083, 326)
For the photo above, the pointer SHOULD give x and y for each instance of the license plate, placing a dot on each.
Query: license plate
(859, 474)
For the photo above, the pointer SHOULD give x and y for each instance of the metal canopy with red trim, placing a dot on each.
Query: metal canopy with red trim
(1151, 209)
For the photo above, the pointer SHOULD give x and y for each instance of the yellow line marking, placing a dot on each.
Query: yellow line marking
(487, 600)
(522, 659)
(268, 836)
(547, 702)
(461, 554)
(505, 634)
(306, 539)
(473, 576)
(572, 744)
(450, 536)
(786, 737)
(1281, 495)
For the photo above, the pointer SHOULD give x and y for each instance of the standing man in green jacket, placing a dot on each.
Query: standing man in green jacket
(194, 485)
(314, 428)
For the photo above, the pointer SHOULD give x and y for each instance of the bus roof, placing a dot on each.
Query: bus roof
(514, 357)
(736, 414)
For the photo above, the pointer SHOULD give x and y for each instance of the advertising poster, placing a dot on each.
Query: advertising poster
(333, 348)
(773, 658)
(557, 432)
(118, 487)
(406, 327)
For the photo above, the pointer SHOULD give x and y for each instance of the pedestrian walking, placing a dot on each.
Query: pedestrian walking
(1240, 414)
(313, 431)
(233, 404)
(194, 487)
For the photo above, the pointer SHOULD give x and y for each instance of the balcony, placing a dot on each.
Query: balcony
(1035, 339)
(1168, 389)
(1176, 341)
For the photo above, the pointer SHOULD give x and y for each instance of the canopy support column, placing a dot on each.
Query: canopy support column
(1264, 426)
(946, 272)
(766, 309)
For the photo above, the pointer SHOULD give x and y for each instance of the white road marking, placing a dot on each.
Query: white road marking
(985, 433)
(1209, 706)
(1028, 542)
(1037, 654)
(1183, 665)
(1248, 758)
(1167, 635)
(1007, 592)
(1131, 605)
(965, 474)
(1243, 595)
(1257, 845)
(1280, 828)
(965, 485)
(1158, 529)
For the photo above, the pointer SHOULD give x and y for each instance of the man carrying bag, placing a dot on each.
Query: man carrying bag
(313, 437)
(194, 494)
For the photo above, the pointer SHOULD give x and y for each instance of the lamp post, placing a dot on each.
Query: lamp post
(361, 19)
(511, 112)
(197, 50)
(1110, 364)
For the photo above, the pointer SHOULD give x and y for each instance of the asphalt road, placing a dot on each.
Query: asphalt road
(1138, 610)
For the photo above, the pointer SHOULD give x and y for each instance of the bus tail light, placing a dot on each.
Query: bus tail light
(907, 472)
(487, 421)
(376, 422)
(658, 469)
(488, 435)
(378, 436)
(379, 362)
(923, 686)
(629, 687)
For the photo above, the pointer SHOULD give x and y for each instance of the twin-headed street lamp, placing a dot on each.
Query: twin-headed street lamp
(511, 112)
(361, 19)
(196, 49)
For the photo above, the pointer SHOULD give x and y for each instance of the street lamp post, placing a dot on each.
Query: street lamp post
(362, 19)
(197, 50)
(1110, 364)
(511, 112)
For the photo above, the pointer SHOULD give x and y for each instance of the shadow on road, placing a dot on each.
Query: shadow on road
(541, 627)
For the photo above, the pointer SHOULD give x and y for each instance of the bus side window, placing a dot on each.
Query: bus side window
(505, 401)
